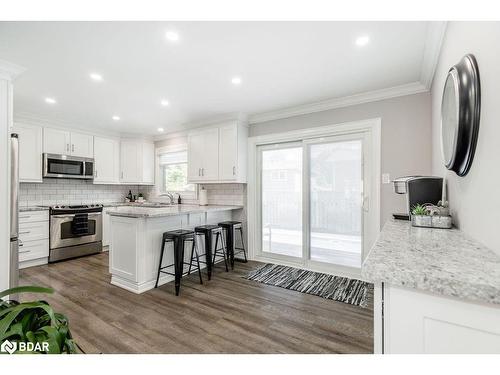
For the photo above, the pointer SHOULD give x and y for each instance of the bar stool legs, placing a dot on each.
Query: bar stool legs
(240, 229)
(194, 251)
(216, 251)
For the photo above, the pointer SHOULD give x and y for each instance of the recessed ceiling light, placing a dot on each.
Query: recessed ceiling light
(172, 36)
(236, 81)
(116, 118)
(96, 77)
(50, 100)
(160, 130)
(164, 102)
(362, 40)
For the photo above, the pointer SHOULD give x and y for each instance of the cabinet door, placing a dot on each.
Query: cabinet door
(228, 152)
(30, 152)
(210, 156)
(195, 156)
(130, 162)
(148, 163)
(106, 226)
(56, 141)
(82, 145)
(107, 160)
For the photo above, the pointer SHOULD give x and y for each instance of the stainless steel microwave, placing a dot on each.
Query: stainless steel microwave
(63, 166)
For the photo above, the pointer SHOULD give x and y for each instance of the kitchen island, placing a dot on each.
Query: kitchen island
(436, 291)
(136, 235)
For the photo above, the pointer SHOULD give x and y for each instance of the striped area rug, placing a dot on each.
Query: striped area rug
(342, 289)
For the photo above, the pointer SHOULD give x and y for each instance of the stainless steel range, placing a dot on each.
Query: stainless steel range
(75, 231)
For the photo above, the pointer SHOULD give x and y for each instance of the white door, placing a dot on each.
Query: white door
(311, 202)
(210, 157)
(30, 152)
(281, 194)
(82, 145)
(195, 156)
(107, 160)
(56, 141)
(228, 152)
(335, 189)
(130, 162)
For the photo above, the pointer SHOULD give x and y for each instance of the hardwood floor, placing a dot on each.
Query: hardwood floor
(226, 315)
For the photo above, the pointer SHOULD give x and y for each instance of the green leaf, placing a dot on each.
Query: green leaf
(26, 289)
(13, 314)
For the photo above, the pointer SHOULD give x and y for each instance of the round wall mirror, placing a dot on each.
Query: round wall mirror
(460, 113)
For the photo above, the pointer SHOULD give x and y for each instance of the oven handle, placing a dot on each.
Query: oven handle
(69, 216)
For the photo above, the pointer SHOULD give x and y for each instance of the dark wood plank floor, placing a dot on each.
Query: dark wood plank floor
(226, 315)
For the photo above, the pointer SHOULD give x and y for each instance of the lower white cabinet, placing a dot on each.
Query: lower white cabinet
(33, 238)
(106, 226)
(416, 322)
(106, 160)
(30, 151)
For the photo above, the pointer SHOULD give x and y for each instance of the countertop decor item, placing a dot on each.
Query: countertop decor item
(431, 216)
(34, 322)
(460, 114)
(203, 199)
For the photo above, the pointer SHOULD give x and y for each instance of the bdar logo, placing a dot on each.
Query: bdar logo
(8, 347)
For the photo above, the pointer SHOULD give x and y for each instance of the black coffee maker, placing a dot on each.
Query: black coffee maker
(418, 190)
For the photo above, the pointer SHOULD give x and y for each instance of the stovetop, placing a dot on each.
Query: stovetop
(75, 209)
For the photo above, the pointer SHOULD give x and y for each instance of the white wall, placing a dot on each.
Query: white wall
(406, 137)
(474, 199)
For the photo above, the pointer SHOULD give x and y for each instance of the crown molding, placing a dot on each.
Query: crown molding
(433, 43)
(346, 101)
(10, 71)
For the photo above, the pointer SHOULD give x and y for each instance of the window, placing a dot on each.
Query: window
(172, 172)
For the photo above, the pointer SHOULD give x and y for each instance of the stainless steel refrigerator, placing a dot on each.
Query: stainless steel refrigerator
(14, 209)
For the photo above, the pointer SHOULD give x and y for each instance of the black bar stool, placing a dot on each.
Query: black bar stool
(208, 231)
(230, 227)
(179, 238)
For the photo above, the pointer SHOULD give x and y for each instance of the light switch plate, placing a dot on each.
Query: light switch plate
(386, 178)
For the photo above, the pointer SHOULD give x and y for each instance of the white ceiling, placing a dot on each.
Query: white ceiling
(282, 64)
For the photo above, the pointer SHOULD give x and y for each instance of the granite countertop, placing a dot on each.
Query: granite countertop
(33, 208)
(440, 261)
(146, 212)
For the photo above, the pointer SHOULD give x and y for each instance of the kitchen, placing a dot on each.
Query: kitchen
(222, 213)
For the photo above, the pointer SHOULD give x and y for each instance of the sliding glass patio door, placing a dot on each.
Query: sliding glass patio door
(311, 201)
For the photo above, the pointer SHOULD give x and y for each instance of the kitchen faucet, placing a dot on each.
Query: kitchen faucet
(169, 195)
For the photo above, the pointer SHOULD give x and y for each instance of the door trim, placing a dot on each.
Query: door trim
(372, 129)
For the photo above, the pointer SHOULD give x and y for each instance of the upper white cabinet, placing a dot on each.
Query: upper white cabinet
(137, 162)
(203, 151)
(82, 145)
(56, 141)
(218, 153)
(106, 160)
(30, 152)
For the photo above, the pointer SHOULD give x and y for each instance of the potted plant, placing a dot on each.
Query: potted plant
(420, 216)
(33, 327)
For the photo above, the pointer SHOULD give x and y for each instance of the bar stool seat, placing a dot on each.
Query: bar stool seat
(207, 231)
(179, 237)
(229, 227)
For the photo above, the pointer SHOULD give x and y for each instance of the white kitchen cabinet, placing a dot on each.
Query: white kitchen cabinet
(203, 150)
(33, 238)
(106, 160)
(30, 152)
(416, 322)
(218, 153)
(106, 226)
(82, 145)
(57, 141)
(137, 162)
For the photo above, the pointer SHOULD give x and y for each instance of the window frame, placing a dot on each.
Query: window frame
(185, 194)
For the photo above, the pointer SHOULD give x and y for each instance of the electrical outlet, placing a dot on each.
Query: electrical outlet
(386, 178)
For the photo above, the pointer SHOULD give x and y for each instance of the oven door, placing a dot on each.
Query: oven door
(61, 166)
(61, 232)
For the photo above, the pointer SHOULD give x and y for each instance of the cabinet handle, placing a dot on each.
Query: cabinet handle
(67, 147)
(24, 217)
(72, 148)
(234, 171)
(203, 171)
(24, 251)
(95, 173)
(25, 232)
(199, 172)
(122, 175)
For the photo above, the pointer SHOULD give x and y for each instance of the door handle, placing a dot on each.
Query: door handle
(366, 203)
